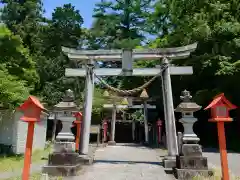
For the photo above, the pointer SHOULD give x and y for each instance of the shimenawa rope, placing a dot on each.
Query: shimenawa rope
(135, 90)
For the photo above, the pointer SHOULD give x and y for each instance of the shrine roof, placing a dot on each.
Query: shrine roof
(187, 106)
(221, 99)
(34, 100)
(66, 106)
(78, 114)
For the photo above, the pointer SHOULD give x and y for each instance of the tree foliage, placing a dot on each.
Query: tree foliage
(119, 24)
(17, 70)
(122, 24)
(215, 25)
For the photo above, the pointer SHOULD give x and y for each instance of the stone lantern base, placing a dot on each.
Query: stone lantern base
(62, 164)
(191, 163)
(64, 161)
(111, 143)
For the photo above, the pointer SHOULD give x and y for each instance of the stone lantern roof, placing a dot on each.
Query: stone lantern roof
(187, 105)
(67, 103)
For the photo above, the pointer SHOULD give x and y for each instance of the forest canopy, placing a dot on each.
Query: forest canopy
(32, 61)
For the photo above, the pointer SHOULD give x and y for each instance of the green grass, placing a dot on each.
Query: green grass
(36, 176)
(14, 163)
(217, 176)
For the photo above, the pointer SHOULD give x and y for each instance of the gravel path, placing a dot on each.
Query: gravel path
(125, 162)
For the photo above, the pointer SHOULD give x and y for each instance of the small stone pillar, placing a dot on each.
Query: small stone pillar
(64, 161)
(105, 129)
(113, 126)
(159, 131)
(190, 161)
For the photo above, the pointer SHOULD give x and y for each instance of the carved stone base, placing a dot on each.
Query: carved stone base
(64, 147)
(189, 174)
(169, 162)
(191, 150)
(185, 162)
(111, 143)
(191, 163)
(190, 138)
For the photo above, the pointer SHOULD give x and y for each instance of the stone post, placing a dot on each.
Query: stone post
(190, 161)
(145, 122)
(54, 127)
(133, 130)
(170, 160)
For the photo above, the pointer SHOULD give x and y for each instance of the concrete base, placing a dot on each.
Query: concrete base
(169, 163)
(57, 170)
(86, 160)
(111, 143)
(63, 164)
(189, 174)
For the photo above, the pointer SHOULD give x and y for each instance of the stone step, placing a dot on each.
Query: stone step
(185, 162)
(69, 159)
(189, 174)
(61, 170)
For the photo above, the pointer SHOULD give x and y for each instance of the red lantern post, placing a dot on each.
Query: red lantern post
(32, 109)
(105, 127)
(78, 122)
(159, 128)
(220, 108)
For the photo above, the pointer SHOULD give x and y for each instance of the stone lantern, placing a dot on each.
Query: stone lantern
(187, 108)
(64, 111)
(190, 162)
(64, 161)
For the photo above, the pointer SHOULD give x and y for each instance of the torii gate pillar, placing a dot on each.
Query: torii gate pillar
(172, 145)
(86, 123)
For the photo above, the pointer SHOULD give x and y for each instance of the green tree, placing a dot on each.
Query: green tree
(64, 29)
(120, 24)
(18, 75)
(215, 26)
(24, 18)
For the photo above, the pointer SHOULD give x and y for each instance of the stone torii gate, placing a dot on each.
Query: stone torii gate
(88, 57)
(143, 99)
(113, 121)
(114, 108)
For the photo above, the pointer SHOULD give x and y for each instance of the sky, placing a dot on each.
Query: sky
(84, 6)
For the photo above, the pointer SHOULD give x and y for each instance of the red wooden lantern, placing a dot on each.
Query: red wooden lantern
(78, 122)
(220, 108)
(32, 109)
